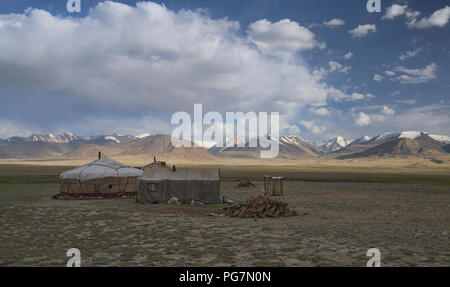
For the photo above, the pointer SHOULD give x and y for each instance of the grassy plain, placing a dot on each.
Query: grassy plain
(345, 209)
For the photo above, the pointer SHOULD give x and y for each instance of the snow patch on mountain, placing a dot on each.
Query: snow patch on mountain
(334, 144)
(440, 138)
(292, 139)
(111, 138)
(361, 140)
(142, 136)
(400, 135)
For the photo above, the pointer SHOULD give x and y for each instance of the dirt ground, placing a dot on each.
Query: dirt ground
(337, 223)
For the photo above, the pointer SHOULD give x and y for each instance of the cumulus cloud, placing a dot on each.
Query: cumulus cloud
(389, 73)
(395, 11)
(359, 96)
(319, 111)
(337, 67)
(432, 118)
(363, 30)
(409, 54)
(140, 59)
(333, 23)
(349, 55)
(313, 127)
(288, 129)
(387, 111)
(362, 120)
(338, 95)
(439, 19)
(414, 76)
(283, 36)
(378, 78)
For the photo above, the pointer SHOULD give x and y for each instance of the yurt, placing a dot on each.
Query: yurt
(159, 183)
(104, 177)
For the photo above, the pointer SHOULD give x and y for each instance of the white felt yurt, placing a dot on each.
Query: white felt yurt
(103, 177)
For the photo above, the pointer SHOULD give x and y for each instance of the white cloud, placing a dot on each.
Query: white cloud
(439, 19)
(389, 73)
(283, 36)
(313, 127)
(337, 67)
(362, 120)
(363, 30)
(94, 125)
(378, 78)
(338, 95)
(349, 55)
(320, 111)
(433, 119)
(147, 57)
(288, 129)
(407, 102)
(387, 111)
(333, 23)
(409, 54)
(359, 96)
(394, 11)
(10, 128)
(416, 76)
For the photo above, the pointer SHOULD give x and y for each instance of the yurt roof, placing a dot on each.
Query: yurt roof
(102, 168)
(158, 173)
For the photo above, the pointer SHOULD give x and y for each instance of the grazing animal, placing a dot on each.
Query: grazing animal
(173, 201)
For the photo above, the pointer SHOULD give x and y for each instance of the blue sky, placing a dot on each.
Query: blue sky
(329, 67)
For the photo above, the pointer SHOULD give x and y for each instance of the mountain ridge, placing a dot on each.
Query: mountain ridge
(65, 145)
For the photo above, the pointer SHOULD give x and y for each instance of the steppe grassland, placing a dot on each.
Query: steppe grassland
(344, 210)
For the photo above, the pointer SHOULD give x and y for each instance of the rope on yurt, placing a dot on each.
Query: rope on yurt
(118, 183)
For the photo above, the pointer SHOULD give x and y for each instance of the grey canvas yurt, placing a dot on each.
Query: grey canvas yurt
(104, 177)
(160, 183)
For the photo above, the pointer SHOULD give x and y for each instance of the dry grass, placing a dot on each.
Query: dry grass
(337, 223)
(377, 164)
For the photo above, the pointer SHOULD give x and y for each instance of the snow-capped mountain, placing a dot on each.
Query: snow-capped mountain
(407, 143)
(411, 135)
(290, 147)
(65, 137)
(400, 135)
(293, 139)
(361, 140)
(440, 138)
(334, 144)
(113, 139)
(142, 136)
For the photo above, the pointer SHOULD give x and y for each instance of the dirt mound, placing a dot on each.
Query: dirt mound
(260, 207)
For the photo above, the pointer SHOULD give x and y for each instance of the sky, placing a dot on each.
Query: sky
(330, 68)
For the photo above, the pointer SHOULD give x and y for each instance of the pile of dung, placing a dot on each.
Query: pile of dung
(260, 207)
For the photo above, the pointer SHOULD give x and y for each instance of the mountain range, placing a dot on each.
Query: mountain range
(70, 146)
